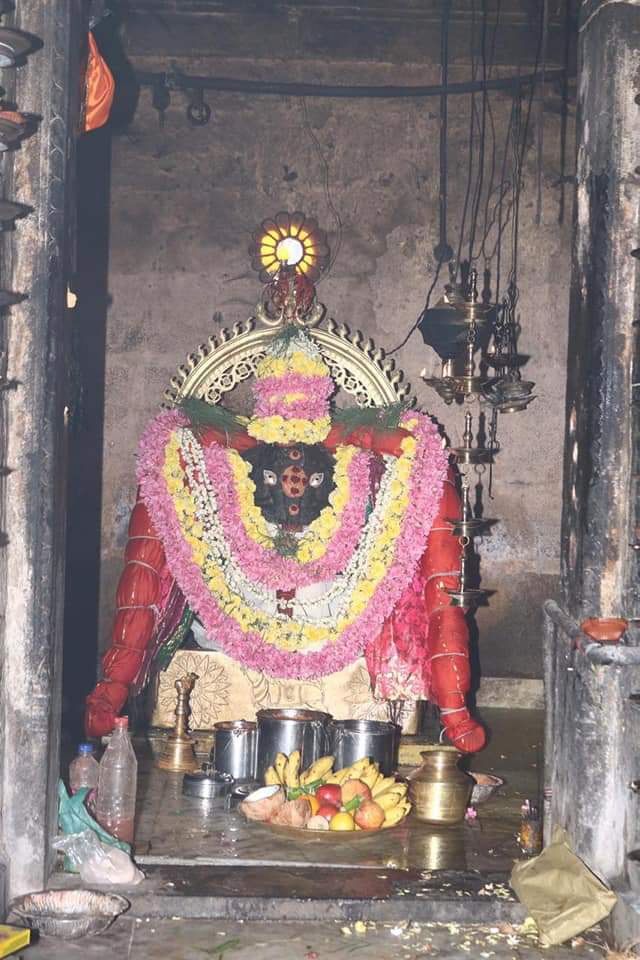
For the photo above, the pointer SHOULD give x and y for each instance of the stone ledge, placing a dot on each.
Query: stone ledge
(511, 693)
(240, 893)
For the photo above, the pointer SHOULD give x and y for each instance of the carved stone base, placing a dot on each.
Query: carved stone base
(227, 691)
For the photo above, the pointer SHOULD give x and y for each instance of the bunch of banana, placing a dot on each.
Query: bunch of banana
(317, 771)
(286, 771)
(393, 800)
(357, 771)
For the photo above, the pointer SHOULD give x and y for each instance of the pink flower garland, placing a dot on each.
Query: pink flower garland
(266, 566)
(269, 393)
(250, 649)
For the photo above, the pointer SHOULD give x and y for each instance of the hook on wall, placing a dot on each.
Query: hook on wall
(198, 111)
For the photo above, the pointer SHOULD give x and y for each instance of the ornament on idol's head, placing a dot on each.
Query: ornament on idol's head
(290, 252)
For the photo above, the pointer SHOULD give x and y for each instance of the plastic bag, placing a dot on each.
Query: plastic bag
(560, 892)
(95, 861)
(73, 817)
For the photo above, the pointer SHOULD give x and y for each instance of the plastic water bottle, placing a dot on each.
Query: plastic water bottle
(117, 781)
(83, 772)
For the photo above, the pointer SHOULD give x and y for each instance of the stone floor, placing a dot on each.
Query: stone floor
(138, 939)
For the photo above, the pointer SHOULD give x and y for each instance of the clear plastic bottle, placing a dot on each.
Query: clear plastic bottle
(83, 771)
(117, 781)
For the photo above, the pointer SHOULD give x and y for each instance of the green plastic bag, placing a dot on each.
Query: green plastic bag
(73, 817)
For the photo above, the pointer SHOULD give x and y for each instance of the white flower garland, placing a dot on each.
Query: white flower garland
(306, 609)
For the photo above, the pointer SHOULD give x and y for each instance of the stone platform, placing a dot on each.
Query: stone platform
(202, 861)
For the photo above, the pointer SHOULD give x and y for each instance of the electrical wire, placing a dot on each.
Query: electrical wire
(443, 251)
(564, 109)
(477, 195)
(415, 326)
(520, 147)
(327, 190)
(471, 129)
(540, 130)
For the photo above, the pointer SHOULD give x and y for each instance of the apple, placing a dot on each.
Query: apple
(369, 815)
(354, 788)
(329, 793)
(327, 811)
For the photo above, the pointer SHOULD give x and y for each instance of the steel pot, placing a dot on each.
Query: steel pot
(285, 730)
(350, 740)
(234, 749)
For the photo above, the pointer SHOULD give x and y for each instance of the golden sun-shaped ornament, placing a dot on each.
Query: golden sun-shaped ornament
(290, 240)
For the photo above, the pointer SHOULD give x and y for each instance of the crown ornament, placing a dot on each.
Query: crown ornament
(290, 253)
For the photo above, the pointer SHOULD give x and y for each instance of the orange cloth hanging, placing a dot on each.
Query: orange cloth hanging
(99, 89)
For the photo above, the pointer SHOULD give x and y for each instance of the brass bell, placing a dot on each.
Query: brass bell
(179, 755)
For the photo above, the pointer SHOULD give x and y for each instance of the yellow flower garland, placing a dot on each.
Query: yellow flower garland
(313, 544)
(276, 429)
(296, 362)
(285, 633)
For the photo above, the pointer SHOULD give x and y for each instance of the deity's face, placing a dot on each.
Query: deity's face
(292, 482)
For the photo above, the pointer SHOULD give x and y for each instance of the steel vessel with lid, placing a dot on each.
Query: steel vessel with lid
(285, 729)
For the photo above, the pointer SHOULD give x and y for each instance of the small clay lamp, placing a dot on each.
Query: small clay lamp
(604, 629)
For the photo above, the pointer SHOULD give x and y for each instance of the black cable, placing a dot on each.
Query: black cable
(327, 190)
(489, 221)
(504, 187)
(471, 129)
(564, 117)
(475, 207)
(443, 250)
(513, 277)
(415, 326)
(540, 130)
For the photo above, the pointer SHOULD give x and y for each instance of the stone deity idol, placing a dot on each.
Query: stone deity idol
(300, 537)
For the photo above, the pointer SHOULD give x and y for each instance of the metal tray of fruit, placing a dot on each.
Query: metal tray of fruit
(331, 836)
(353, 803)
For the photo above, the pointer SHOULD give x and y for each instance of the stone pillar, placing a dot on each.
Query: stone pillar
(599, 568)
(593, 723)
(35, 336)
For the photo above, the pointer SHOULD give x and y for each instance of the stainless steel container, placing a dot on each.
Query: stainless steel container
(234, 749)
(350, 740)
(285, 730)
(208, 784)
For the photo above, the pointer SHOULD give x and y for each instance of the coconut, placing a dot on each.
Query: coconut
(262, 804)
(294, 813)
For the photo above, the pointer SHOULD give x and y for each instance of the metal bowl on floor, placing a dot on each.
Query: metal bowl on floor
(69, 914)
(485, 786)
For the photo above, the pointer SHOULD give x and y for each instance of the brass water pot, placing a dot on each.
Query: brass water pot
(438, 789)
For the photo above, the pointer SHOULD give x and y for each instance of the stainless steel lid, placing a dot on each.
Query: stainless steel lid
(208, 783)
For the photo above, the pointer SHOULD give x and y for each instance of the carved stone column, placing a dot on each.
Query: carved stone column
(36, 262)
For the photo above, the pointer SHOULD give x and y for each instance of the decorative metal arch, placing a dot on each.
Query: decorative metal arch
(357, 365)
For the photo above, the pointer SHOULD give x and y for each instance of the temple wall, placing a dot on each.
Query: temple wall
(185, 200)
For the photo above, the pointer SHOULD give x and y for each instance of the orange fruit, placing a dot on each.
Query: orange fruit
(314, 803)
(342, 821)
